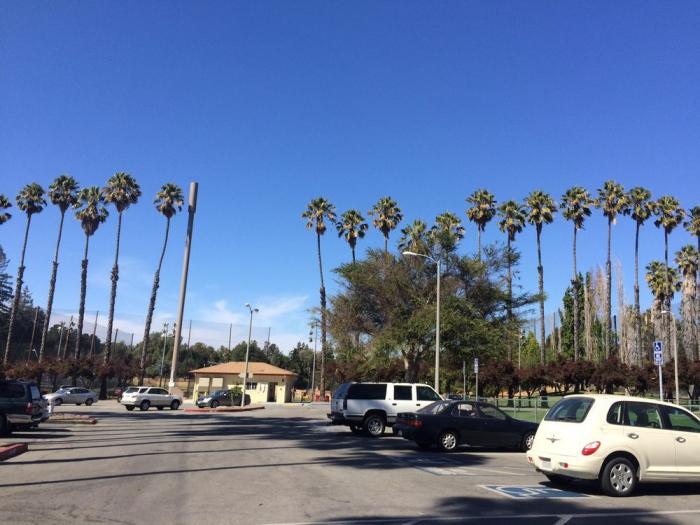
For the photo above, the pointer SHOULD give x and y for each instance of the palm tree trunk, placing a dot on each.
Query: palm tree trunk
(478, 242)
(509, 283)
(152, 303)
(386, 245)
(608, 294)
(112, 300)
(52, 289)
(667, 293)
(540, 274)
(576, 288)
(83, 293)
(18, 290)
(353, 255)
(637, 312)
(322, 290)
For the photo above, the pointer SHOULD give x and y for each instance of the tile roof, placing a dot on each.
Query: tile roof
(237, 367)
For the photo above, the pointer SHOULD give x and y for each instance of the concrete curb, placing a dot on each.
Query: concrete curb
(220, 409)
(10, 451)
(70, 420)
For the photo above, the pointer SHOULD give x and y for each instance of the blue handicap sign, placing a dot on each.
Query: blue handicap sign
(535, 492)
(658, 353)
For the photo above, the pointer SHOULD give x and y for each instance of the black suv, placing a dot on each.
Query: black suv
(20, 405)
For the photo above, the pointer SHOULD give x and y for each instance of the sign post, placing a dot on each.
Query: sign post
(464, 380)
(659, 361)
(476, 371)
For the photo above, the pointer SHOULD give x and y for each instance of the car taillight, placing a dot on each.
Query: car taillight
(29, 408)
(590, 448)
(415, 423)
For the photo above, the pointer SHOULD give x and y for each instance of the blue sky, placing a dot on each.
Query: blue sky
(268, 104)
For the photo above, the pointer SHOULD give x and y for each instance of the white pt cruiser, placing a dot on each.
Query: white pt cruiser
(618, 440)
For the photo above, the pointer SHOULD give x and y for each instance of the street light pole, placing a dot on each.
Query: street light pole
(247, 351)
(675, 353)
(162, 357)
(437, 318)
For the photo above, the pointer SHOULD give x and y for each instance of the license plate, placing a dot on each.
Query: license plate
(546, 465)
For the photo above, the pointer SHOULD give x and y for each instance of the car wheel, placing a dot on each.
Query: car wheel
(374, 425)
(5, 429)
(356, 429)
(619, 477)
(58, 402)
(423, 445)
(214, 404)
(528, 440)
(145, 405)
(174, 405)
(447, 441)
(88, 402)
(130, 408)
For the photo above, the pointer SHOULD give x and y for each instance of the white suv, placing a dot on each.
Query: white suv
(617, 440)
(146, 397)
(371, 407)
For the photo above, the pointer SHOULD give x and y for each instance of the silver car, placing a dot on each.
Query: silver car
(72, 395)
(146, 397)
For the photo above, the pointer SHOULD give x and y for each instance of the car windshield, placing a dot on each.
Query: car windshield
(219, 393)
(131, 390)
(435, 408)
(572, 409)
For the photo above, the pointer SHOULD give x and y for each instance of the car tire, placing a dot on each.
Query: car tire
(88, 402)
(374, 425)
(174, 405)
(5, 428)
(129, 408)
(528, 440)
(423, 445)
(58, 402)
(356, 429)
(448, 441)
(145, 405)
(214, 404)
(619, 477)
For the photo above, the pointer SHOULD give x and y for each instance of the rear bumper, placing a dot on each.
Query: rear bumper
(23, 419)
(337, 418)
(580, 467)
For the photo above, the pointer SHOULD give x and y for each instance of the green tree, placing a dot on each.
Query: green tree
(30, 200)
(612, 199)
(663, 282)
(387, 216)
(63, 193)
(4, 205)
(351, 226)
(693, 227)
(482, 211)
(168, 202)
(91, 212)
(122, 191)
(414, 238)
(687, 261)
(575, 207)
(446, 233)
(540, 211)
(640, 208)
(319, 211)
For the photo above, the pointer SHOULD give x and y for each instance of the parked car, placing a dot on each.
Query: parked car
(619, 441)
(449, 424)
(72, 395)
(20, 405)
(146, 397)
(371, 407)
(222, 398)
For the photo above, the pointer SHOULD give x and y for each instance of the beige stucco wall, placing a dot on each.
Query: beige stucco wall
(259, 394)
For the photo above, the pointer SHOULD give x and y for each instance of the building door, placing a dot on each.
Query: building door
(271, 392)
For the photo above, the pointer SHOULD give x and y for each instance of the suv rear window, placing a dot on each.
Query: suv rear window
(341, 391)
(12, 390)
(571, 410)
(367, 391)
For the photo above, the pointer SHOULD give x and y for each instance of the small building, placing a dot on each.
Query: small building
(266, 383)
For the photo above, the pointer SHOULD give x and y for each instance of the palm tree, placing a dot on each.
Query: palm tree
(30, 200)
(612, 199)
(693, 227)
(513, 216)
(447, 232)
(319, 211)
(168, 201)
(414, 237)
(122, 190)
(669, 215)
(663, 283)
(4, 205)
(62, 193)
(91, 212)
(387, 216)
(540, 211)
(687, 261)
(576, 206)
(352, 226)
(482, 211)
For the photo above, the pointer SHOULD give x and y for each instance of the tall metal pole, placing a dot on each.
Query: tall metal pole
(60, 340)
(267, 343)
(247, 351)
(65, 345)
(162, 358)
(464, 379)
(313, 365)
(675, 359)
(31, 341)
(183, 283)
(437, 333)
(230, 328)
(189, 334)
(94, 330)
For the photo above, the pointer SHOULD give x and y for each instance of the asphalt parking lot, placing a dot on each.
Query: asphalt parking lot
(285, 465)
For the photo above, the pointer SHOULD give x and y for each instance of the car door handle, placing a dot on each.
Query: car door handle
(633, 435)
(680, 439)
(393, 404)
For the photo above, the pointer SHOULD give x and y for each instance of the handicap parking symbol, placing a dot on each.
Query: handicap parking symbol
(534, 492)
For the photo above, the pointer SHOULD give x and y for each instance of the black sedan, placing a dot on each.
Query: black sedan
(449, 424)
(222, 397)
